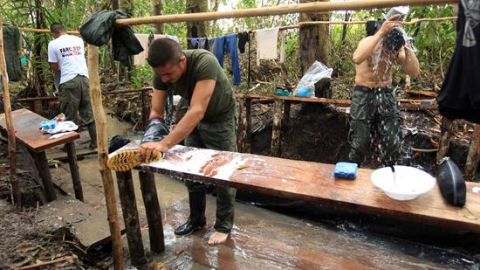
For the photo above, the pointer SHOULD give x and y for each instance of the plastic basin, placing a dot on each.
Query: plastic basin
(409, 182)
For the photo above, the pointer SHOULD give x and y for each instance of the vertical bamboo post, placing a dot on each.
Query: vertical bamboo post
(130, 218)
(286, 113)
(242, 122)
(473, 156)
(446, 129)
(248, 127)
(107, 179)
(15, 191)
(276, 127)
(153, 211)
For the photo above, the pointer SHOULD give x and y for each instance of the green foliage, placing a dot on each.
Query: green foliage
(434, 41)
(141, 76)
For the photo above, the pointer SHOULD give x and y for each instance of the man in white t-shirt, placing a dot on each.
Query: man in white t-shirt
(66, 53)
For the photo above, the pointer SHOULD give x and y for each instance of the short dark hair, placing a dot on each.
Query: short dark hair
(394, 40)
(163, 51)
(57, 28)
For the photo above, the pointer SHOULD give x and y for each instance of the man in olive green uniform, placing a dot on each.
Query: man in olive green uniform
(374, 107)
(209, 122)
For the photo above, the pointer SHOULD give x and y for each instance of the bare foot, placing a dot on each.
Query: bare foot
(217, 238)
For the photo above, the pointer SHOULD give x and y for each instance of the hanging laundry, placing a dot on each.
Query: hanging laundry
(243, 38)
(101, 27)
(11, 40)
(203, 43)
(194, 42)
(459, 97)
(228, 44)
(144, 39)
(267, 44)
(211, 44)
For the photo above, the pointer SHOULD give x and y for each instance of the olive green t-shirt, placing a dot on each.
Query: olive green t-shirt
(202, 65)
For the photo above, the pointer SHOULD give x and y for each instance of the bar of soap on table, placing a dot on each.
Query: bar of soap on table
(345, 170)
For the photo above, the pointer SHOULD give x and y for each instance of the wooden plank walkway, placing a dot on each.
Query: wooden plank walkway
(314, 182)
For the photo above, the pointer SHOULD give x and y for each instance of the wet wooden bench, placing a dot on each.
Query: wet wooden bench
(27, 131)
(308, 181)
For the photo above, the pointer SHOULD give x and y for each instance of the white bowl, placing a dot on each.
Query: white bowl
(409, 182)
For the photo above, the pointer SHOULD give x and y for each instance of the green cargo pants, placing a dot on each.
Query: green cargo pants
(217, 136)
(374, 115)
(74, 100)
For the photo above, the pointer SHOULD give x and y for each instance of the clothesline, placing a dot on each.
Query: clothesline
(413, 21)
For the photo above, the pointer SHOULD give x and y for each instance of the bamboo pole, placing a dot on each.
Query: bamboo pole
(241, 130)
(278, 10)
(276, 127)
(473, 156)
(15, 191)
(293, 26)
(413, 21)
(107, 179)
(446, 135)
(34, 30)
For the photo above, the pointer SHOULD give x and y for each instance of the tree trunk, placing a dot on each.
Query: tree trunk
(157, 9)
(38, 83)
(125, 73)
(115, 4)
(196, 29)
(314, 43)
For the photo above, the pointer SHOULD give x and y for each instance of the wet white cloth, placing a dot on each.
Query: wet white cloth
(140, 59)
(266, 43)
(62, 126)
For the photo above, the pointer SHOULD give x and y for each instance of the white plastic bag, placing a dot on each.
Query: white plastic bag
(306, 85)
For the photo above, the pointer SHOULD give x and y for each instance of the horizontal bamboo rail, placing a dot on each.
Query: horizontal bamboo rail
(413, 21)
(409, 104)
(279, 10)
(34, 30)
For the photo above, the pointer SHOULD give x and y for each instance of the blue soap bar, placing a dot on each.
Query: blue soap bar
(345, 170)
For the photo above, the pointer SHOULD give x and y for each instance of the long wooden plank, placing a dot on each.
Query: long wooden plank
(314, 182)
(27, 130)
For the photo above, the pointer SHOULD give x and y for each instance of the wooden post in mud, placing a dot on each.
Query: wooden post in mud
(130, 218)
(15, 191)
(276, 127)
(152, 209)
(242, 126)
(248, 127)
(446, 134)
(107, 179)
(473, 157)
(286, 113)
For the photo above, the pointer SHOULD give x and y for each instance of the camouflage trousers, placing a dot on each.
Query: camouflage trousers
(218, 136)
(374, 116)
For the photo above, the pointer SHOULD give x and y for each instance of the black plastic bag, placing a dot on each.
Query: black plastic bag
(156, 130)
(451, 182)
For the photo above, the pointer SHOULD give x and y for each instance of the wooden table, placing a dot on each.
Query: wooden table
(308, 181)
(27, 131)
